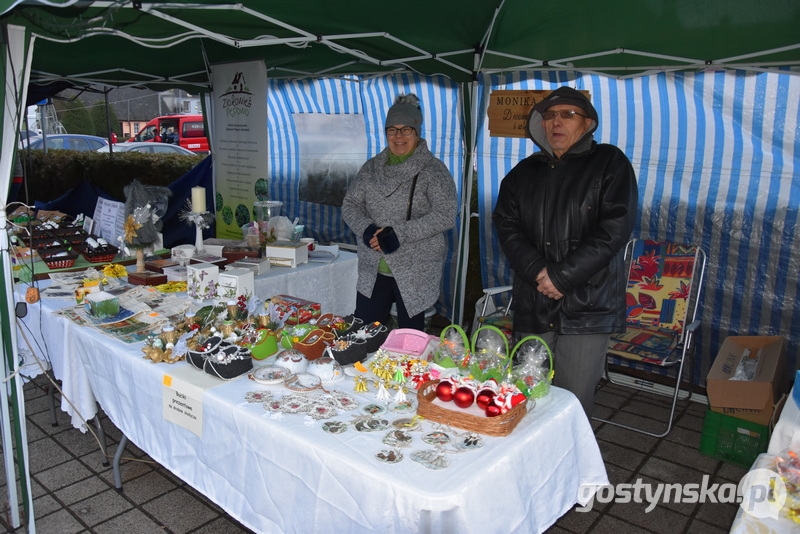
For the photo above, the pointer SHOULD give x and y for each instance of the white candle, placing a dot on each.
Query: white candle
(198, 199)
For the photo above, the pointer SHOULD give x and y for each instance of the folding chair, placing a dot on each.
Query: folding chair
(490, 310)
(664, 284)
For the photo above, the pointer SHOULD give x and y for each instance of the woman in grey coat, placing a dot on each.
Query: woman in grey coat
(399, 205)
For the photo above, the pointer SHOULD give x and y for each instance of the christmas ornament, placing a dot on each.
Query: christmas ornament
(464, 397)
(445, 391)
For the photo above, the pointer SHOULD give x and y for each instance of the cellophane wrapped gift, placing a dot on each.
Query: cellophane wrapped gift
(453, 350)
(489, 356)
(532, 371)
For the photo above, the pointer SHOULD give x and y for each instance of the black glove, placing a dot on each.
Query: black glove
(369, 232)
(388, 241)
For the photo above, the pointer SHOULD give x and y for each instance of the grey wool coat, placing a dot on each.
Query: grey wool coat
(379, 195)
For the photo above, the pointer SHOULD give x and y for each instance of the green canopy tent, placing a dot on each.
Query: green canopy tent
(172, 44)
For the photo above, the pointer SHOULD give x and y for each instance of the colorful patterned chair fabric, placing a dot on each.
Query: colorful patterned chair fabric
(664, 284)
(659, 287)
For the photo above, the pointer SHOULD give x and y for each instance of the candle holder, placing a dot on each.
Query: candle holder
(199, 227)
(201, 220)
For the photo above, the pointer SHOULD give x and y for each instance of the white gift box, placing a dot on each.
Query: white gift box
(235, 282)
(176, 273)
(287, 253)
(202, 281)
(258, 265)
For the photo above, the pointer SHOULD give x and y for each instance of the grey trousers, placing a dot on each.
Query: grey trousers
(578, 362)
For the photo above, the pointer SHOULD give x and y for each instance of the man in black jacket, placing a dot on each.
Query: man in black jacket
(563, 217)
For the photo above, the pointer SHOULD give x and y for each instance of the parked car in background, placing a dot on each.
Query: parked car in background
(148, 148)
(27, 136)
(188, 131)
(78, 142)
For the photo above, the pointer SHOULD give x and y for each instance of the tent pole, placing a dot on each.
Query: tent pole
(16, 65)
(470, 111)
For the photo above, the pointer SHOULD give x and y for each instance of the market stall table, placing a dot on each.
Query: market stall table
(282, 472)
(333, 285)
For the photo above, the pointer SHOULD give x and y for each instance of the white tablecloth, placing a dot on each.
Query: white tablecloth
(786, 434)
(284, 475)
(763, 522)
(333, 285)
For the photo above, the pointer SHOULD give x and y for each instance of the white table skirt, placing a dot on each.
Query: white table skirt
(282, 475)
(786, 434)
(333, 285)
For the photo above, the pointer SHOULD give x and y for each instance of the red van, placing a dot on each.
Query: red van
(188, 131)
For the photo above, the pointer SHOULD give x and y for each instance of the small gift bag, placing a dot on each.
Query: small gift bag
(533, 371)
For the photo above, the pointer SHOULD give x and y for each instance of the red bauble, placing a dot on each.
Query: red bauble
(484, 398)
(464, 397)
(516, 399)
(492, 410)
(445, 391)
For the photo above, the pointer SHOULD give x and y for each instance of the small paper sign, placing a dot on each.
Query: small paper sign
(109, 217)
(183, 404)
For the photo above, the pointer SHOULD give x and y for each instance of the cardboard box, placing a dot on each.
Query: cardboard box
(754, 399)
(235, 282)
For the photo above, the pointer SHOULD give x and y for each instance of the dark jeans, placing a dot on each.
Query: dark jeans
(378, 306)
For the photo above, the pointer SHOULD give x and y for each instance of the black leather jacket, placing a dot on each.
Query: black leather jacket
(574, 216)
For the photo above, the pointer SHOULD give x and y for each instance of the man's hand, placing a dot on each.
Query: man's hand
(546, 287)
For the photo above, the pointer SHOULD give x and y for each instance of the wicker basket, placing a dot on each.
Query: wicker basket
(102, 254)
(42, 238)
(59, 262)
(502, 425)
(74, 235)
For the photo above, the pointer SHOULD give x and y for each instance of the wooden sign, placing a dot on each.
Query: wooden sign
(508, 111)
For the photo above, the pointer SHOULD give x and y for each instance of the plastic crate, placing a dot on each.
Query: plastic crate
(733, 440)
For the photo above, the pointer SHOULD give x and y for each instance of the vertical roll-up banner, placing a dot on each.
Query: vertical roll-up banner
(239, 143)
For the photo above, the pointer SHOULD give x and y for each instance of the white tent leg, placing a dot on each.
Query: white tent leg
(17, 50)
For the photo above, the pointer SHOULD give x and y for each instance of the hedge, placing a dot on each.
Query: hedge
(52, 174)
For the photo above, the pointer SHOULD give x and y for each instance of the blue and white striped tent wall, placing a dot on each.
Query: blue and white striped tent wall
(371, 97)
(717, 156)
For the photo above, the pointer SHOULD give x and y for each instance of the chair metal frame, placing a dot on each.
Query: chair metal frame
(685, 346)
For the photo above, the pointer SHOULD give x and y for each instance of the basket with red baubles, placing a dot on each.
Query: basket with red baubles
(487, 408)
(481, 391)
